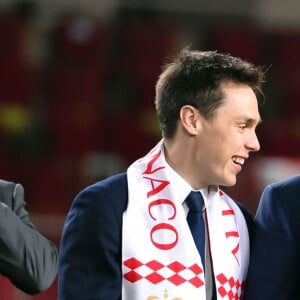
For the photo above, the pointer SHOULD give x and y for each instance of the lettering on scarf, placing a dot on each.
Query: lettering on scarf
(156, 185)
(232, 234)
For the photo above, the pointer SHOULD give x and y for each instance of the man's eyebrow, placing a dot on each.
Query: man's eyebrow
(249, 119)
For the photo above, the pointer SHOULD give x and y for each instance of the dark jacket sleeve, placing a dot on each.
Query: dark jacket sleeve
(27, 258)
(91, 244)
(274, 262)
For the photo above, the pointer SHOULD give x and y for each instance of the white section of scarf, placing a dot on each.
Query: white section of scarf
(159, 256)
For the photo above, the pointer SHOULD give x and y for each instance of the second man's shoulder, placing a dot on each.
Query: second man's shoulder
(288, 182)
(282, 188)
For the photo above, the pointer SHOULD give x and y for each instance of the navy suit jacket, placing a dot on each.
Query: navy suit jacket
(91, 244)
(274, 272)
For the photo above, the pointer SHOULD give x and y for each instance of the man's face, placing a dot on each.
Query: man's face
(225, 141)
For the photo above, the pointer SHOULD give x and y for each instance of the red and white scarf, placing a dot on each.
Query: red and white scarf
(159, 256)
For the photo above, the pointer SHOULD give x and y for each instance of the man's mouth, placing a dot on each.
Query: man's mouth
(238, 160)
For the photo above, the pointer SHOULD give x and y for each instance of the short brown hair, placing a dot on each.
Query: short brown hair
(194, 78)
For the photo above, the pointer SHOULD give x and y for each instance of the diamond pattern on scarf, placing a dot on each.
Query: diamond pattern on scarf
(156, 272)
(230, 287)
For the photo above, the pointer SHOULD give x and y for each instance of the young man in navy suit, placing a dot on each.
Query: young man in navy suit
(275, 260)
(127, 237)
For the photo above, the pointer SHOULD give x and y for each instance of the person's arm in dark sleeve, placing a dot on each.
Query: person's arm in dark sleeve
(272, 270)
(27, 258)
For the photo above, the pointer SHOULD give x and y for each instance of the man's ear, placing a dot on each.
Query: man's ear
(189, 118)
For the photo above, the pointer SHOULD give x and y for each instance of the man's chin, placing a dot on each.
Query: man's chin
(229, 183)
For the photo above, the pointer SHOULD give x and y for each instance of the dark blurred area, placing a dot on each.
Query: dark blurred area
(77, 93)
